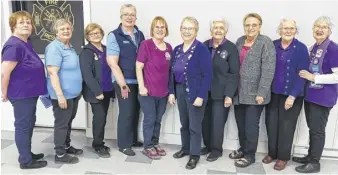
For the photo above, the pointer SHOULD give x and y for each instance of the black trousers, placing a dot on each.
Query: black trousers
(191, 123)
(247, 119)
(281, 125)
(100, 111)
(207, 123)
(218, 119)
(129, 113)
(63, 119)
(316, 118)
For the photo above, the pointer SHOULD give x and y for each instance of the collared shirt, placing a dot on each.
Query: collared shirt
(113, 49)
(211, 45)
(28, 77)
(181, 59)
(59, 55)
(156, 67)
(106, 78)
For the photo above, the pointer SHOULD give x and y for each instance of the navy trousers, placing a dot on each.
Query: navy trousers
(25, 117)
(153, 109)
(129, 113)
(191, 118)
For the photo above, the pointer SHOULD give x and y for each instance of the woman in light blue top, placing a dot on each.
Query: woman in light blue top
(64, 84)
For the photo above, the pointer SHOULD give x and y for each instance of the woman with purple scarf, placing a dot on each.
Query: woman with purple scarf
(320, 93)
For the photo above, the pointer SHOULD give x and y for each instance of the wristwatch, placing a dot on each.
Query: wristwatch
(124, 87)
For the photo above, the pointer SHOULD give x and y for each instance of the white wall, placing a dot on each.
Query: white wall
(106, 13)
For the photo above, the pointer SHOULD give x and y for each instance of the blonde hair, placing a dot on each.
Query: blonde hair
(60, 22)
(90, 27)
(153, 24)
(16, 16)
(253, 15)
(192, 20)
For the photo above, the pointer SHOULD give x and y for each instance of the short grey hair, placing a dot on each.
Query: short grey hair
(325, 19)
(219, 19)
(127, 6)
(285, 20)
(192, 20)
(60, 22)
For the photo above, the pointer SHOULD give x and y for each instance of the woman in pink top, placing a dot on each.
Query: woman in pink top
(152, 70)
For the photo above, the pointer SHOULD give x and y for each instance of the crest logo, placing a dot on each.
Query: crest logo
(45, 13)
(224, 54)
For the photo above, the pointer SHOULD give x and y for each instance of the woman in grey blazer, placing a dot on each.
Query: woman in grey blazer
(257, 67)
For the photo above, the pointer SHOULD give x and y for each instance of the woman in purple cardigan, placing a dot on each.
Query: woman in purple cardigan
(287, 94)
(190, 78)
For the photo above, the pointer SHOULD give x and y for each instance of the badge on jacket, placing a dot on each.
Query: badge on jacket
(224, 54)
(96, 57)
(167, 56)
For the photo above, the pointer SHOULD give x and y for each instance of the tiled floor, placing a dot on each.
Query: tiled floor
(119, 163)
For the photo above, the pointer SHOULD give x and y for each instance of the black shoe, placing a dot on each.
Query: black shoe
(102, 152)
(74, 151)
(308, 168)
(179, 154)
(34, 164)
(137, 144)
(191, 163)
(302, 160)
(66, 159)
(204, 151)
(127, 151)
(212, 157)
(37, 156)
(107, 148)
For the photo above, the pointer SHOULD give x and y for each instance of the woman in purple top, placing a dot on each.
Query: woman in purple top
(97, 87)
(320, 93)
(23, 81)
(287, 94)
(152, 70)
(190, 79)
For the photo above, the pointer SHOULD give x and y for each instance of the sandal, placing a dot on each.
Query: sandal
(236, 154)
(243, 162)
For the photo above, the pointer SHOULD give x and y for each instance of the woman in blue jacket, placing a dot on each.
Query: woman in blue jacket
(190, 78)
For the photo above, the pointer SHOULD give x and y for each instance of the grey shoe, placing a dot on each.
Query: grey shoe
(66, 159)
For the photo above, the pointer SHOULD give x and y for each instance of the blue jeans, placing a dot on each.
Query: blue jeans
(24, 114)
(153, 109)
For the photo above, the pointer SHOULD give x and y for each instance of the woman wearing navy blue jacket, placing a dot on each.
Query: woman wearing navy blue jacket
(190, 78)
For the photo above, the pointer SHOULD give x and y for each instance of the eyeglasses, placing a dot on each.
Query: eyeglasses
(317, 27)
(189, 29)
(95, 34)
(218, 28)
(253, 26)
(289, 28)
(129, 15)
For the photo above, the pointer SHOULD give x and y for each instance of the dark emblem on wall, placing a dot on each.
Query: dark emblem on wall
(45, 13)
(44, 16)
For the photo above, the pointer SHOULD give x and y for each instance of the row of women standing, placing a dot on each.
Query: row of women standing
(206, 78)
